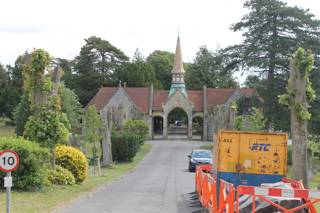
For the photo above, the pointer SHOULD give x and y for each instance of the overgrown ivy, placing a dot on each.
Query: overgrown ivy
(303, 61)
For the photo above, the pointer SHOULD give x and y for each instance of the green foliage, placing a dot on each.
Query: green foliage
(208, 69)
(284, 99)
(178, 114)
(71, 107)
(314, 146)
(91, 125)
(162, 63)
(31, 173)
(94, 67)
(136, 74)
(303, 114)
(48, 128)
(314, 123)
(4, 81)
(73, 160)
(139, 127)
(124, 145)
(21, 114)
(238, 122)
(272, 30)
(303, 62)
(61, 176)
(254, 121)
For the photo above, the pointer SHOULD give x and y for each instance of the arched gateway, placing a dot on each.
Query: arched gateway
(201, 106)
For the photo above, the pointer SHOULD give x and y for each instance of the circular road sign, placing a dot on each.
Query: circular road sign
(9, 160)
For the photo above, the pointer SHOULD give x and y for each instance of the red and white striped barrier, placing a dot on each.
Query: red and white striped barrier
(309, 196)
(277, 192)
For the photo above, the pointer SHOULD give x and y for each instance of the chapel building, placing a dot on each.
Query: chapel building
(210, 106)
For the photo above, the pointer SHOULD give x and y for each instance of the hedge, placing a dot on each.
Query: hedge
(124, 145)
(61, 176)
(138, 127)
(34, 161)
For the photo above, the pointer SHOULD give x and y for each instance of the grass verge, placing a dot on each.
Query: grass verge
(54, 196)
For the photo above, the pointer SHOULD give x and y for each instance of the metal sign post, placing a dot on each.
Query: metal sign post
(9, 161)
(8, 184)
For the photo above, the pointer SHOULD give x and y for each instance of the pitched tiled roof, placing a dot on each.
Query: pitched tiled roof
(196, 97)
(248, 92)
(159, 97)
(102, 97)
(216, 96)
(140, 96)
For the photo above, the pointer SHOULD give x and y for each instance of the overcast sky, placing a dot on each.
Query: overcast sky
(60, 26)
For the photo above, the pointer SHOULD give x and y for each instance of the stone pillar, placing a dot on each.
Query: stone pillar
(190, 127)
(165, 126)
(205, 115)
(150, 119)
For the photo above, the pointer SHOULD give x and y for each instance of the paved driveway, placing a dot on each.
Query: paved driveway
(161, 183)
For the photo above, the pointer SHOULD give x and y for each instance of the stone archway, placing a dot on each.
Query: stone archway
(197, 127)
(157, 125)
(177, 123)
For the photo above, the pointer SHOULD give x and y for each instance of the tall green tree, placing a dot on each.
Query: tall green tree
(207, 69)
(93, 68)
(272, 30)
(314, 124)
(162, 63)
(4, 82)
(99, 56)
(16, 81)
(137, 73)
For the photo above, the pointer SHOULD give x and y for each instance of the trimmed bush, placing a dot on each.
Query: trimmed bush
(138, 127)
(61, 176)
(34, 160)
(124, 145)
(73, 160)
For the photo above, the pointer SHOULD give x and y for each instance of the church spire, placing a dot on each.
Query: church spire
(177, 72)
(178, 62)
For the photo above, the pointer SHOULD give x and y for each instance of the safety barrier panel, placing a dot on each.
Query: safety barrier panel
(212, 203)
(226, 197)
(311, 197)
(206, 187)
(299, 185)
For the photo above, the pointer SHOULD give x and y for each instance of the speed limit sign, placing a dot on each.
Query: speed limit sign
(9, 161)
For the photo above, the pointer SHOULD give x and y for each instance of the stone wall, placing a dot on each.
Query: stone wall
(218, 118)
(122, 108)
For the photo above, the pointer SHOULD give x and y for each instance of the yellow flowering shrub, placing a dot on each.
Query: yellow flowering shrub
(73, 160)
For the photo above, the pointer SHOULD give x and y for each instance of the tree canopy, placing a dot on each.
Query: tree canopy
(208, 70)
(272, 30)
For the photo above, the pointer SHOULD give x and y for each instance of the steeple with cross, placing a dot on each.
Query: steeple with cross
(177, 82)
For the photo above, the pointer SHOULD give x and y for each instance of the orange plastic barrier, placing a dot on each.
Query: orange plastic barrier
(206, 187)
(226, 197)
(212, 203)
(311, 197)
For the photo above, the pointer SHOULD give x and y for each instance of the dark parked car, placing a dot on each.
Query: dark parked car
(199, 156)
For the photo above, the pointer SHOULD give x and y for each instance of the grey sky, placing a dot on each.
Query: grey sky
(60, 26)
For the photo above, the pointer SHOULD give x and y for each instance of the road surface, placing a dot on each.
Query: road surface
(161, 183)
